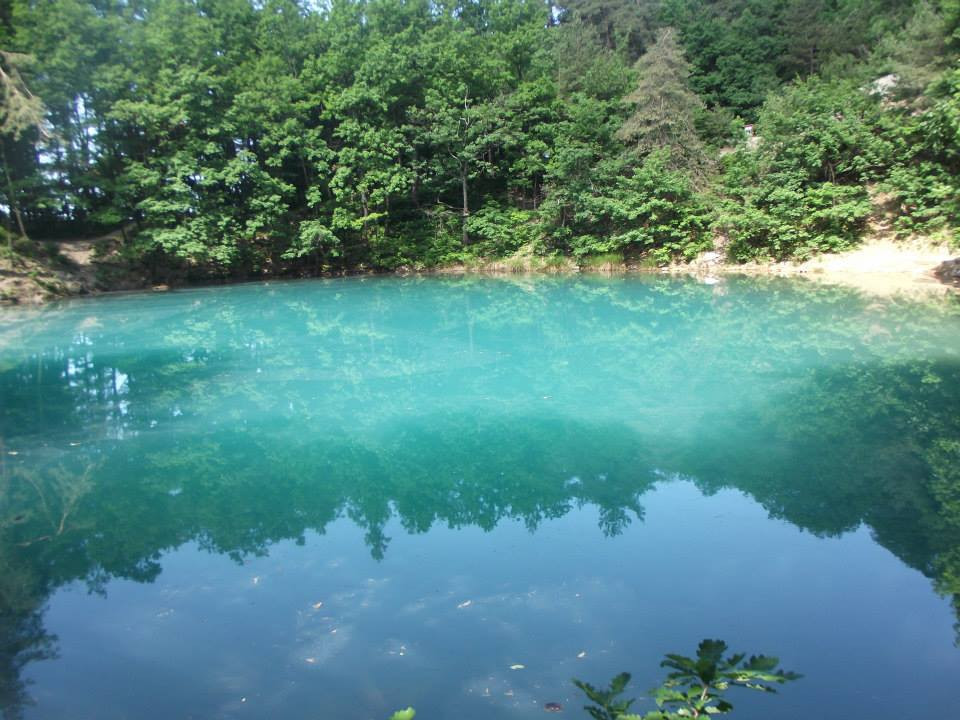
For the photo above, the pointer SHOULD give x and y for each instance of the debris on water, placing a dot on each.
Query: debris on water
(465, 603)
(582, 654)
(333, 632)
(518, 666)
(256, 579)
(310, 660)
(317, 605)
(552, 707)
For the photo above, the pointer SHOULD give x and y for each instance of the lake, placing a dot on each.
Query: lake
(337, 498)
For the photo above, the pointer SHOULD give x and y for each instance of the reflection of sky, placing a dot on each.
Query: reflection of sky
(322, 630)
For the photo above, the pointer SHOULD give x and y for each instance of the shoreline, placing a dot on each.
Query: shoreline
(877, 267)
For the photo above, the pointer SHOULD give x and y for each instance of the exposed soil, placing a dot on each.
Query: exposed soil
(31, 279)
(62, 268)
(879, 266)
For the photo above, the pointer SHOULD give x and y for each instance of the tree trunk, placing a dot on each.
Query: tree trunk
(366, 211)
(306, 173)
(465, 213)
(415, 185)
(14, 208)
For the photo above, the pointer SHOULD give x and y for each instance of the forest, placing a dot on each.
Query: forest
(241, 139)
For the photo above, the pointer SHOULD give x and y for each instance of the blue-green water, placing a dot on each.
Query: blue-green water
(333, 499)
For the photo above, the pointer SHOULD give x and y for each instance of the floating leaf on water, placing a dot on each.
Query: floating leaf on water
(465, 603)
(517, 667)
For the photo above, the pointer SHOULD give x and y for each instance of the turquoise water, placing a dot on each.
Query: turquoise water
(332, 499)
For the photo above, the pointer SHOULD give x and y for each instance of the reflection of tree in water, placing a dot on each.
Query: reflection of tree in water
(864, 444)
(240, 492)
(36, 506)
(23, 640)
(944, 457)
(862, 434)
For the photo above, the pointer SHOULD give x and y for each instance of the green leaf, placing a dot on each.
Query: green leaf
(619, 683)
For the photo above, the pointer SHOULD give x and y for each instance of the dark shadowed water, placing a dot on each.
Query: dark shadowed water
(334, 499)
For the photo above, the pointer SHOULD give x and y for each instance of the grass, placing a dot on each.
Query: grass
(555, 263)
(516, 264)
(603, 261)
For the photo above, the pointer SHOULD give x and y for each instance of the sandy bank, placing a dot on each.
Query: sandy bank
(879, 267)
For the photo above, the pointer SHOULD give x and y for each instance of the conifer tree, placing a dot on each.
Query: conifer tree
(664, 105)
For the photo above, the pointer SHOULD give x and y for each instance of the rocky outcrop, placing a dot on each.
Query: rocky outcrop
(949, 271)
(38, 270)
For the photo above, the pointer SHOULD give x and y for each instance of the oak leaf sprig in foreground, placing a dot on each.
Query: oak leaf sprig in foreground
(695, 687)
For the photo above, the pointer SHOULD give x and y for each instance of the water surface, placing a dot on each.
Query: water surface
(332, 499)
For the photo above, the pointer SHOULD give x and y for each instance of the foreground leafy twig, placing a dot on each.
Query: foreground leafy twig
(695, 686)
(693, 689)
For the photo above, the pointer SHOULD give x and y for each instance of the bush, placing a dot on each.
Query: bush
(802, 189)
(650, 209)
(497, 231)
(926, 179)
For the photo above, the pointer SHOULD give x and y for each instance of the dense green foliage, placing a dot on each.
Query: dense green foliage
(237, 138)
